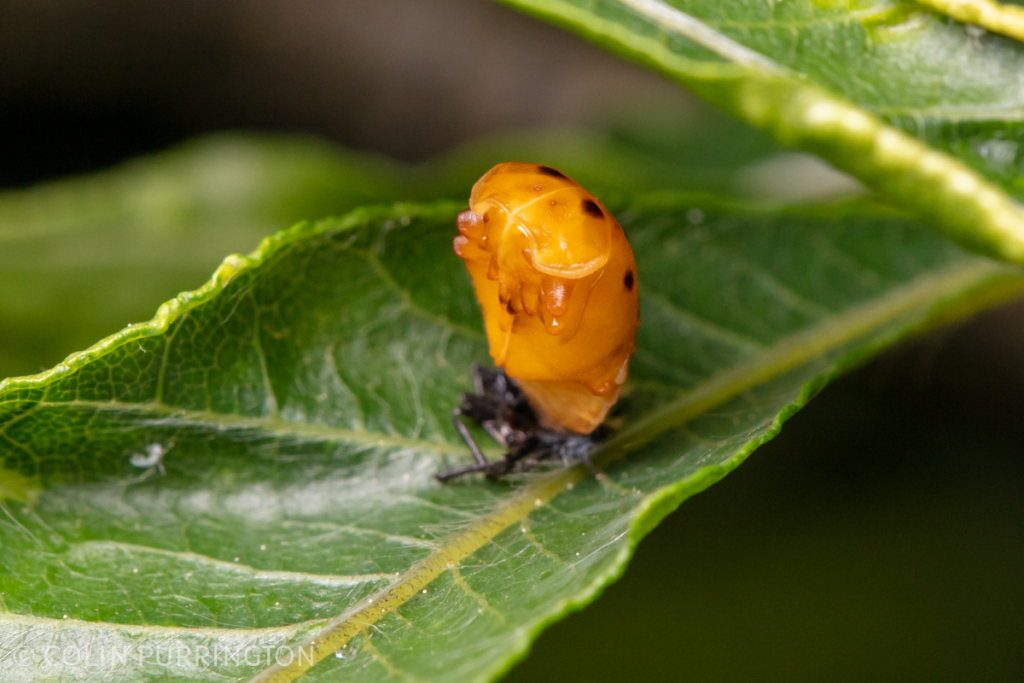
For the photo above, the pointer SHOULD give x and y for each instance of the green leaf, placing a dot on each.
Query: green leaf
(300, 403)
(921, 109)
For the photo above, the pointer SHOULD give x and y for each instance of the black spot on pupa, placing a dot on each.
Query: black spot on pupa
(591, 208)
(628, 280)
(547, 170)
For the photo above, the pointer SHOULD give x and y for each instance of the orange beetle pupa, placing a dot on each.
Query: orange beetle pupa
(556, 279)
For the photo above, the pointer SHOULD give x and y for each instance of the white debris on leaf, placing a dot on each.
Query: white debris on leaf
(153, 458)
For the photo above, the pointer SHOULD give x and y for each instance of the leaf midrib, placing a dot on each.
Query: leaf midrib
(795, 350)
(875, 13)
(789, 353)
(702, 34)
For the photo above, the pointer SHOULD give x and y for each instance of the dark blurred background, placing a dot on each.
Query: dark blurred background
(85, 83)
(880, 537)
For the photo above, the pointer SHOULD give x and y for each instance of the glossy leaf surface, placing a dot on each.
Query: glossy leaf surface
(189, 496)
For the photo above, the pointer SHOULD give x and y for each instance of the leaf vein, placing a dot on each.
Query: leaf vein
(707, 328)
(406, 298)
(303, 431)
(85, 550)
(785, 294)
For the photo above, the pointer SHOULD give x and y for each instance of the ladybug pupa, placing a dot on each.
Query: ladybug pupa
(556, 280)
